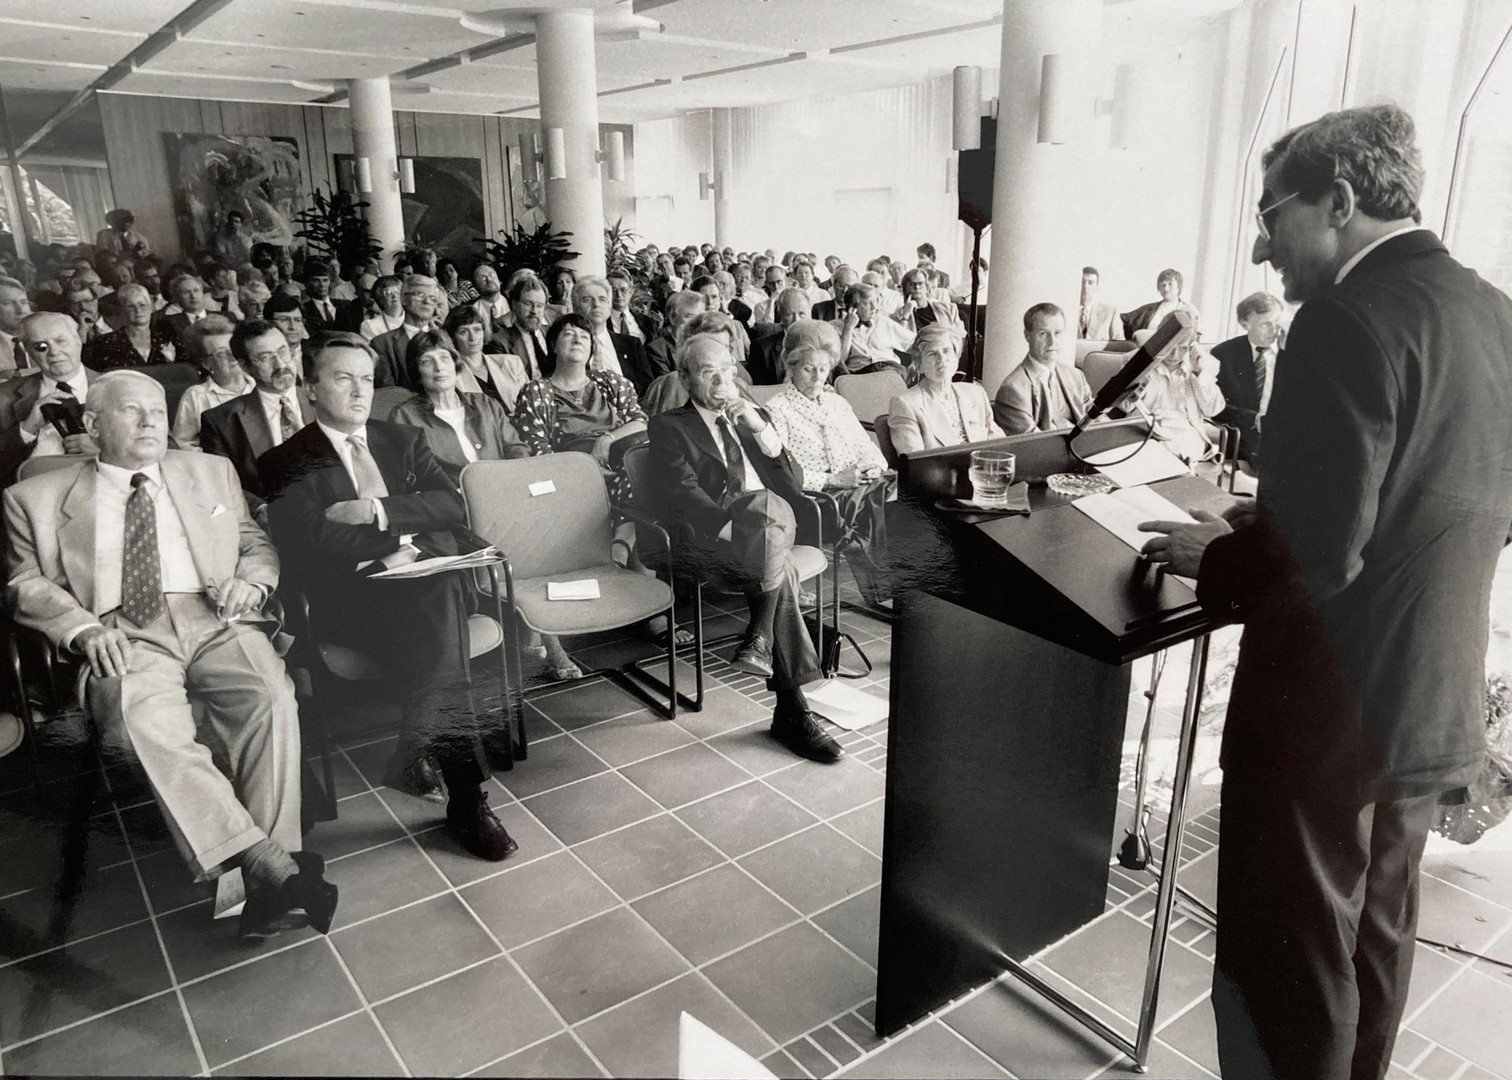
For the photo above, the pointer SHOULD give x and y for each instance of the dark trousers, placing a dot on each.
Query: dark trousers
(1317, 918)
(758, 559)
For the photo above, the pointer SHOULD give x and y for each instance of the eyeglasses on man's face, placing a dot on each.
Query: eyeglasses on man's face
(1260, 216)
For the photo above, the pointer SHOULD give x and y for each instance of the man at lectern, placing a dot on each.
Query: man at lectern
(1363, 578)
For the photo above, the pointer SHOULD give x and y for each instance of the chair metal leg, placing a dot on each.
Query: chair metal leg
(23, 704)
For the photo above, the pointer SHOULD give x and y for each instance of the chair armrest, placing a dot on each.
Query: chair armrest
(645, 519)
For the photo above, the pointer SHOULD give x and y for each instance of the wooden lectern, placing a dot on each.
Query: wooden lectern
(1010, 688)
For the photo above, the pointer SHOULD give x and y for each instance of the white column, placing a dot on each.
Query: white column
(569, 100)
(723, 168)
(372, 110)
(1036, 251)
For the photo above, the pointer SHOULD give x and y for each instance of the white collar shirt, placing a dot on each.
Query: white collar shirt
(608, 359)
(272, 407)
(1354, 260)
(767, 439)
(624, 322)
(179, 574)
(341, 443)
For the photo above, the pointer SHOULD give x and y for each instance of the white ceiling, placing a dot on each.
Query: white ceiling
(707, 53)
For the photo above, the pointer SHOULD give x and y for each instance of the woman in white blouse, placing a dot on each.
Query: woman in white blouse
(936, 411)
(824, 437)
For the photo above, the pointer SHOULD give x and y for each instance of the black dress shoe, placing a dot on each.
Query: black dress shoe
(800, 732)
(415, 775)
(474, 826)
(306, 899)
(754, 657)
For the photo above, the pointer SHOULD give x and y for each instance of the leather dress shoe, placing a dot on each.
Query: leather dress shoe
(754, 657)
(799, 731)
(306, 899)
(474, 826)
(415, 776)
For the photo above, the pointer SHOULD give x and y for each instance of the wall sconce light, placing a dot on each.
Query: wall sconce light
(706, 185)
(966, 115)
(1055, 99)
(614, 155)
(1124, 107)
(363, 167)
(530, 154)
(406, 176)
(556, 154)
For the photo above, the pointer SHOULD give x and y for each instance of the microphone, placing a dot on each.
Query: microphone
(1176, 323)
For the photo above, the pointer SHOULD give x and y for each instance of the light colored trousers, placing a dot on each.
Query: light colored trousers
(249, 706)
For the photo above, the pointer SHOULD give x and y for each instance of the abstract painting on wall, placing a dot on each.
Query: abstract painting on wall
(446, 212)
(215, 174)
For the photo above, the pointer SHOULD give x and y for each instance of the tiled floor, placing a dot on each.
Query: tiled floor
(663, 867)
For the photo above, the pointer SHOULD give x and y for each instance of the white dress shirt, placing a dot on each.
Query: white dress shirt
(457, 419)
(1354, 260)
(200, 399)
(493, 311)
(767, 439)
(48, 441)
(608, 359)
(627, 324)
(340, 442)
(272, 407)
(113, 488)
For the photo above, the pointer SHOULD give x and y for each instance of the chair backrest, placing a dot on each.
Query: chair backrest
(884, 440)
(649, 544)
(176, 378)
(558, 531)
(762, 394)
(1100, 366)
(49, 463)
(386, 399)
(871, 393)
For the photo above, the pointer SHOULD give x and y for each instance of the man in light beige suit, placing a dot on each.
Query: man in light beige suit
(147, 564)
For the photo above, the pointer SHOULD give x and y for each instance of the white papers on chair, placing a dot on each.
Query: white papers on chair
(440, 564)
(1121, 512)
(584, 589)
(705, 1054)
(1150, 464)
(845, 706)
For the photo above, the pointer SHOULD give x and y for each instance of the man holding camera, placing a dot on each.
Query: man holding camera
(42, 414)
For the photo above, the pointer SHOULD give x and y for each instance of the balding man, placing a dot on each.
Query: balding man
(832, 306)
(681, 306)
(419, 301)
(765, 359)
(869, 340)
(147, 565)
(718, 465)
(14, 306)
(41, 414)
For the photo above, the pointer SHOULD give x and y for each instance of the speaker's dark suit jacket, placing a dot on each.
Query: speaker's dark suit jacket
(1385, 499)
(238, 429)
(1236, 378)
(348, 317)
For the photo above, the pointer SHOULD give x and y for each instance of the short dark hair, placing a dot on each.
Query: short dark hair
(926, 249)
(554, 331)
(1170, 275)
(1255, 303)
(340, 339)
(463, 315)
(1044, 308)
(700, 281)
(525, 285)
(1372, 147)
(422, 343)
(1091, 270)
(245, 331)
(281, 303)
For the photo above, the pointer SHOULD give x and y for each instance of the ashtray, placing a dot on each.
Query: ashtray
(1075, 485)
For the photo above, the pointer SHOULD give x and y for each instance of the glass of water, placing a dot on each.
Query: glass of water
(991, 474)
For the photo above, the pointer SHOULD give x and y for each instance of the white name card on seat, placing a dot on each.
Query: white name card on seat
(542, 487)
(585, 589)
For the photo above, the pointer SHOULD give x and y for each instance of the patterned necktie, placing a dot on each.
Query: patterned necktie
(1262, 363)
(288, 423)
(734, 459)
(141, 573)
(370, 483)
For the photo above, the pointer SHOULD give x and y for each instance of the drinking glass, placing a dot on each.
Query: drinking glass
(991, 473)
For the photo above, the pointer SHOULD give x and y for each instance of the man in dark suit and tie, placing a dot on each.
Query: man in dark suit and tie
(188, 293)
(764, 361)
(1363, 579)
(718, 465)
(419, 302)
(324, 314)
(524, 337)
(245, 428)
(619, 353)
(1247, 368)
(347, 492)
(834, 308)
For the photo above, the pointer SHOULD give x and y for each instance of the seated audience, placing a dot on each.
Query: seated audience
(1042, 393)
(919, 309)
(559, 282)
(803, 278)
(869, 340)
(387, 298)
(926, 254)
(207, 345)
(522, 337)
(223, 292)
(170, 602)
(485, 368)
(667, 392)
(83, 306)
(251, 297)
(592, 298)
(245, 428)
(141, 340)
(1181, 396)
(14, 306)
(718, 465)
(935, 411)
(577, 407)
(776, 280)
(1247, 368)
(1151, 315)
(149, 275)
(41, 413)
(230, 243)
(322, 312)
(188, 294)
(418, 296)
(1097, 321)
(765, 360)
(746, 293)
(457, 291)
(491, 303)
(346, 491)
(622, 319)
(681, 307)
(120, 236)
(832, 306)
(833, 450)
